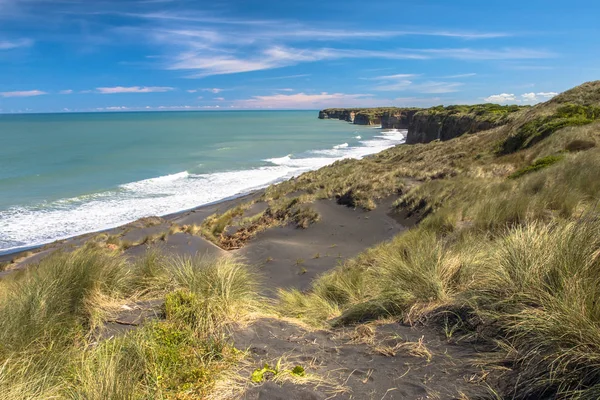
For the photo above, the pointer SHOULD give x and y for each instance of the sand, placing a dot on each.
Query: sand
(354, 366)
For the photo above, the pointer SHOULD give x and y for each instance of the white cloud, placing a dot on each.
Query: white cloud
(191, 91)
(220, 98)
(9, 45)
(531, 98)
(501, 98)
(285, 90)
(485, 54)
(547, 95)
(537, 97)
(24, 93)
(213, 90)
(392, 77)
(68, 91)
(459, 76)
(306, 101)
(134, 89)
(399, 82)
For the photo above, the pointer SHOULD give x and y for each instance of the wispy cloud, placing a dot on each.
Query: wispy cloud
(213, 90)
(207, 62)
(276, 78)
(13, 44)
(23, 93)
(134, 89)
(67, 91)
(306, 101)
(458, 76)
(412, 83)
(485, 54)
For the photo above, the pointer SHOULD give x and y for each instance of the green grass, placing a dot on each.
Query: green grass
(541, 127)
(512, 261)
(538, 164)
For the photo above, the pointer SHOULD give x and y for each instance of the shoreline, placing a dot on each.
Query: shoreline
(7, 256)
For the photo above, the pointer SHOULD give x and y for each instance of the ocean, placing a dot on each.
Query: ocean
(63, 175)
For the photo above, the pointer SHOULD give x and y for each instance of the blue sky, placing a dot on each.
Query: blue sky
(103, 55)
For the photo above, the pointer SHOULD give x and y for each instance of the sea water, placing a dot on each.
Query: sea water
(63, 175)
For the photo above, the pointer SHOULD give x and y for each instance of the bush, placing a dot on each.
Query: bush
(538, 164)
(541, 127)
(579, 145)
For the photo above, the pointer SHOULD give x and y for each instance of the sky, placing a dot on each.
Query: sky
(150, 55)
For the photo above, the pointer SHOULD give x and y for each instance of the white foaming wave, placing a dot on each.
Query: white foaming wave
(37, 225)
(280, 160)
(357, 137)
(31, 226)
(341, 146)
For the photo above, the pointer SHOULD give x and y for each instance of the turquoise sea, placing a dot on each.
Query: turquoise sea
(66, 174)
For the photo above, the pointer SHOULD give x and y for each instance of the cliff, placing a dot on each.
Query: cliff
(359, 116)
(427, 125)
(398, 119)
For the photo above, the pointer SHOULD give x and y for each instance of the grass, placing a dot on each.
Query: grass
(53, 314)
(510, 261)
(280, 211)
(541, 127)
(513, 262)
(536, 166)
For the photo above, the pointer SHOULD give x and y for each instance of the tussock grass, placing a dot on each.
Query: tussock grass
(513, 261)
(53, 311)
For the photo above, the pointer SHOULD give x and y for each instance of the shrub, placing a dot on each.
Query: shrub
(579, 145)
(538, 164)
(541, 127)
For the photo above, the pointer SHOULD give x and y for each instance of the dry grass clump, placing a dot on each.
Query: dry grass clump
(230, 231)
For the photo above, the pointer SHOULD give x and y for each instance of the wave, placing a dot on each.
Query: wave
(28, 226)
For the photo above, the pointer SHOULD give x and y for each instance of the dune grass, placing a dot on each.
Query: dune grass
(53, 314)
(507, 249)
(280, 211)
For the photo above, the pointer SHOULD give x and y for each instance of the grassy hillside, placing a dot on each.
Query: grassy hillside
(506, 252)
(507, 249)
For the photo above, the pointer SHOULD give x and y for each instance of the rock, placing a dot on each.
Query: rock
(426, 127)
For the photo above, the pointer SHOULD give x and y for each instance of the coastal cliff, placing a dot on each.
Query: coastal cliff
(427, 125)
(361, 116)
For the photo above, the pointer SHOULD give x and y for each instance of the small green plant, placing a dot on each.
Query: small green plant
(299, 261)
(317, 255)
(259, 375)
(298, 370)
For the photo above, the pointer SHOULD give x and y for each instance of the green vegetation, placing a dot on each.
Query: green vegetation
(280, 211)
(511, 261)
(541, 127)
(492, 113)
(54, 315)
(508, 261)
(536, 166)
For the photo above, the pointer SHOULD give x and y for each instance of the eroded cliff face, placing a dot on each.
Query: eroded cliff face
(435, 123)
(341, 114)
(400, 119)
(425, 127)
